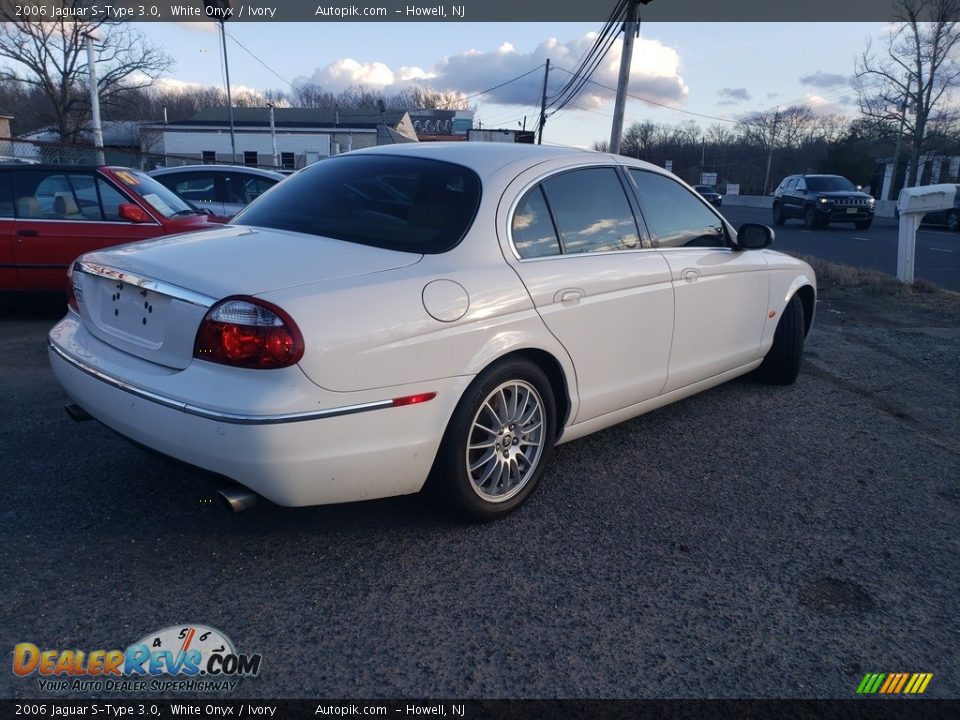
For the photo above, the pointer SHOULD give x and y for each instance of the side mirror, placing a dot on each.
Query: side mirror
(133, 213)
(753, 236)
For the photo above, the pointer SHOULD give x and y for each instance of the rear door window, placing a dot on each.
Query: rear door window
(57, 195)
(591, 211)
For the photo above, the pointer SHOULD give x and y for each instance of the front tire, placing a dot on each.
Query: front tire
(778, 216)
(863, 224)
(953, 220)
(810, 220)
(781, 366)
(498, 441)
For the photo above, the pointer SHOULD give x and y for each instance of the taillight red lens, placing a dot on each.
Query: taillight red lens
(249, 333)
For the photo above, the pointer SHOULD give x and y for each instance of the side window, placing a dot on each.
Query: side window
(6, 195)
(801, 185)
(86, 201)
(191, 186)
(57, 196)
(791, 185)
(257, 186)
(532, 229)
(591, 210)
(111, 198)
(675, 216)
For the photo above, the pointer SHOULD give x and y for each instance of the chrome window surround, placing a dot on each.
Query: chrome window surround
(216, 415)
(579, 166)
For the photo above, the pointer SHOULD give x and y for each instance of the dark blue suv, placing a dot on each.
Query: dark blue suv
(819, 200)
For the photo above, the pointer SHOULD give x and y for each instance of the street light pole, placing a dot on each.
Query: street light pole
(94, 99)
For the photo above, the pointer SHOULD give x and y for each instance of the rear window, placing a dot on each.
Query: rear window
(398, 203)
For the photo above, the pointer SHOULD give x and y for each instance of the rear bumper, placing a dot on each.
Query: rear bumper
(317, 455)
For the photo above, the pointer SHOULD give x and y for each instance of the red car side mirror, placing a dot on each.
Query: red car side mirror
(133, 213)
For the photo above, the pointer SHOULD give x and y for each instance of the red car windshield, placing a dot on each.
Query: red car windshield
(160, 198)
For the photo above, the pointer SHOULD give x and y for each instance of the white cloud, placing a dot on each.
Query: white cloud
(655, 73)
(199, 27)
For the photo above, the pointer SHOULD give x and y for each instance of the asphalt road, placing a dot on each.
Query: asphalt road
(751, 541)
(937, 256)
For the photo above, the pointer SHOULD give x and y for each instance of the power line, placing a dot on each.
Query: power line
(251, 54)
(591, 61)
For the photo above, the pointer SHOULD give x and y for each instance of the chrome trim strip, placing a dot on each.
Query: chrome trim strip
(216, 415)
(159, 286)
(127, 223)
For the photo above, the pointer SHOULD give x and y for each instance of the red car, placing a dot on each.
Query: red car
(50, 214)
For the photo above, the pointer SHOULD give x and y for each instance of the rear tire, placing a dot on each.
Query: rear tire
(781, 366)
(498, 441)
(778, 217)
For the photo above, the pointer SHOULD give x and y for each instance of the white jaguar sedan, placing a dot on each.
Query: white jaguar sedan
(435, 315)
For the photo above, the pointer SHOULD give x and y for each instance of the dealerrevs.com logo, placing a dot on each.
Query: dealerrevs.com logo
(187, 658)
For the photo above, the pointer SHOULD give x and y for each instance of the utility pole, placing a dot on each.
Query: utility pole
(631, 29)
(94, 99)
(773, 139)
(896, 152)
(226, 70)
(273, 137)
(703, 157)
(543, 103)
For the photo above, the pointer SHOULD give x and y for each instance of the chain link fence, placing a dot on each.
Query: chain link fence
(54, 153)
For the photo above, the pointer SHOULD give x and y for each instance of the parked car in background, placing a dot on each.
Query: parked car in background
(331, 345)
(946, 218)
(819, 200)
(222, 190)
(50, 214)
(710, 194)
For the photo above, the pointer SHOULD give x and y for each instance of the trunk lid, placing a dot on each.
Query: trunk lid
(149, 298)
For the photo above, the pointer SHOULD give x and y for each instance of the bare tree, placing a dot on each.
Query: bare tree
(51, 57)
(918, 66)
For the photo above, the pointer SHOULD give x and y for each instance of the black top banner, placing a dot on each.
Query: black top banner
(456, 11)
(156, 709)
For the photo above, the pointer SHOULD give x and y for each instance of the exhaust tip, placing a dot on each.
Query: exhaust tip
(238, 499)
(77, 413)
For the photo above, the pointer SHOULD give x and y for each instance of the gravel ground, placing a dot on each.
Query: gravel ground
(747, 542)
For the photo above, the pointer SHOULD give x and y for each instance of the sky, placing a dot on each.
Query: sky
(724, 70)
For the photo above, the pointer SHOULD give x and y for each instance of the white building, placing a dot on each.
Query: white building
(303, 136)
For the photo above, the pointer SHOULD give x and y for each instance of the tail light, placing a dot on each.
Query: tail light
(74, 292)
(249, 333)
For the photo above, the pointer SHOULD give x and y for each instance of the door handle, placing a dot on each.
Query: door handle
(690, 275)
(570, 296)
(28, 233)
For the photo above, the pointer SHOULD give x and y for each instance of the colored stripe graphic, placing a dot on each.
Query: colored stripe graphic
(894, 683)
(918, 683)
(903, 680)
(870, 684)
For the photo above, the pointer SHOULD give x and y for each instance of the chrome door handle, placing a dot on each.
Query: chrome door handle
(570, 296)
(690, 275)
